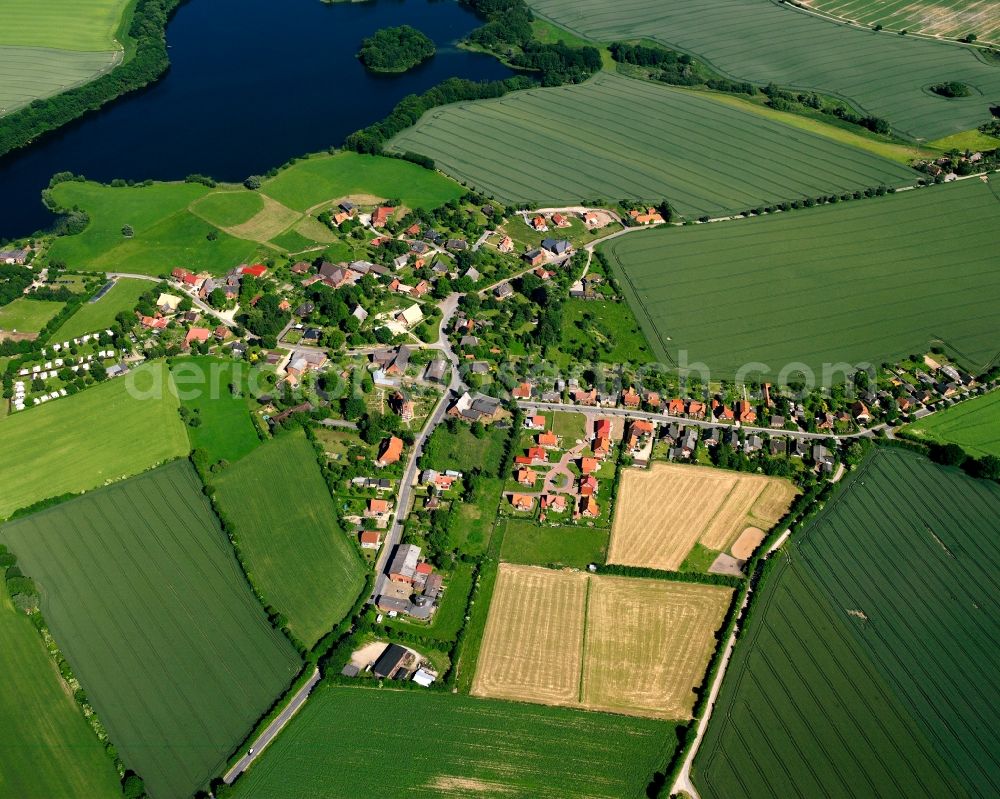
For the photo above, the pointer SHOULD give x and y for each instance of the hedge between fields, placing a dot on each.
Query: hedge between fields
(147, 64)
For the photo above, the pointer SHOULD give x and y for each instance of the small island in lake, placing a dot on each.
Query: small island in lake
(395, 49)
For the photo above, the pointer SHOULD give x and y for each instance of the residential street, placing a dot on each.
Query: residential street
(448, 307)
(198, 303)
(273, 729)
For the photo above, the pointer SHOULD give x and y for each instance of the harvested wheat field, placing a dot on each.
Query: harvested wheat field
(648, 643)
(624, 645)
(664, 511)
(534, 636)
(748, 541)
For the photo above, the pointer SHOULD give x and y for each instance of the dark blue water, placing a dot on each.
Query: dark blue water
(251, 84)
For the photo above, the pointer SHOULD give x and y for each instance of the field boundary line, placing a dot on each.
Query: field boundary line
(583, 639)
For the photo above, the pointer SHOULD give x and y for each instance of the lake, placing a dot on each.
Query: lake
(252, 83)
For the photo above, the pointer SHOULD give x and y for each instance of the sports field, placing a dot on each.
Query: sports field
(48, 47)
(638, 139)
(92, 316)
(973, 425)
(883, 74)
(465, 747)
(286, 525)
(226, 431)
(869, 664)
(863, 281)
(81, 442)
(28, 316)
(48, 747)
(667, 509)
(638, 647)
(148, 604)
(952, 19)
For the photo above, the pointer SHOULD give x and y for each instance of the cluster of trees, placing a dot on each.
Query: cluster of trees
(149, 62)
(951, 88)
(782, 100)
(13, 281)
(395, 49)
(985, 468)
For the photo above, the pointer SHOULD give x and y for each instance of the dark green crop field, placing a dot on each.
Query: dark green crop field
(861, 281)
(362, 742)
(869, 663)
(148, 604)
(286, 525)
(614, 137)
(883, 74)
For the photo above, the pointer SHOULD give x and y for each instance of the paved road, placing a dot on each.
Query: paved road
(665, 418)
(683, 781)
(202, 306)
(273, 729)
(395, 534)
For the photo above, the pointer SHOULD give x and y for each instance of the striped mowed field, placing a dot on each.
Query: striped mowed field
(864, 281)
(949, 18)
(618, 137)
(868, 664)
(144, 597)
(882, 74)
(48, 47)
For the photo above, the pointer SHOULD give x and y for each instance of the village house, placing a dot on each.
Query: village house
(588, 465)
(522, 502)
(392, 361)
(370, 539)
(636, 431)
(522, 391)
(402, 406)
(631, 398)
(199, 334)
(403, 568)
(503, 291)
(478, 408)
(377, 509)
(506, 244)
(539, 224)
(381, 216)
(548, 440)
(589, 507)
(558, 247)
(18, 257)
(410, 316)
(392, 449)
(559, 220)
(535, 257)
(526, 477)
(257, 270)
(649, 217)
(434, 373)
(534, 422)
(747, 414)
(168, 303)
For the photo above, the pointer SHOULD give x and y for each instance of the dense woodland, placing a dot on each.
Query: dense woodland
(395, 49)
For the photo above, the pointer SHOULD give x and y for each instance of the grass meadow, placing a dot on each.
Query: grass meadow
(226, 431)
(92, 316)
(172, 222)
(28, 316)
(543, 545)
(602, 331)
(293, 548)
(615, 137)
(81, 442)
(949, 18)
(462, 451)
(973, 425)
(424, 745)
(869, 661)
(321, 178)
(48, 747)
(144, 597)
(883, 74)
(860, 281)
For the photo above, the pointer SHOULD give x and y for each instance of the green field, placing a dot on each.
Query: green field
(321, 178)
(973, 425)
(166, 234)
(869, 663)
(226, 431)
(172, 221)
(462, 451)
(292, 545)
(93, 316)
(361, 742)
(544, 545)
(145, 599)
(84, 441)
(51, 46)
(28, 316)
(48, 747)
(883, 74)
(862, 281)
(949, 18)
(638, 139)
(601, 331)
(227, 208)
